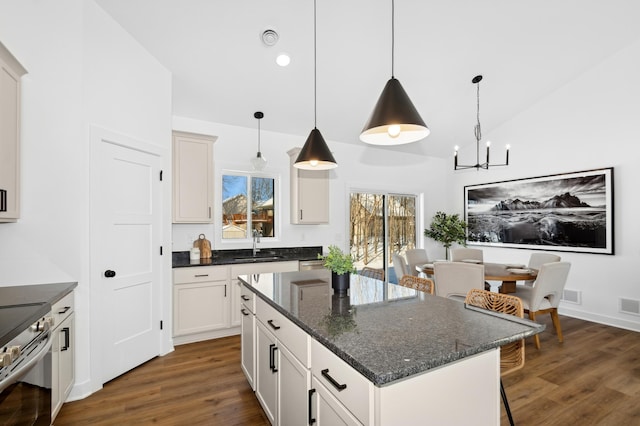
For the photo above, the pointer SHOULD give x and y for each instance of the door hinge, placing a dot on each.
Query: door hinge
(160, 250)
(160, 175)
(161, 324)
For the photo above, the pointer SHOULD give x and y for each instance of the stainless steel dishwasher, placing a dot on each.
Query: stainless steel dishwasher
(307, 265)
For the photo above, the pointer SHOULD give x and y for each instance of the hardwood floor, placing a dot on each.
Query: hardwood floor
(593, 378)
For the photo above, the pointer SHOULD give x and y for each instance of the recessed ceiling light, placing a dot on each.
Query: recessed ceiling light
(283, 60)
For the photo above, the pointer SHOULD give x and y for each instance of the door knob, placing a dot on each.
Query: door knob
(109, 273)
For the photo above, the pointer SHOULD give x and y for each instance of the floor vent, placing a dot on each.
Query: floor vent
(572, 296)
(630, 306)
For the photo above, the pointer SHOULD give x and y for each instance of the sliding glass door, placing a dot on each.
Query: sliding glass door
(381, 224)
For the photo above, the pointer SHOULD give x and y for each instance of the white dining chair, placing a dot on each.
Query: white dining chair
(399, 266)
(537, 260)
(455, 279)
(462, 253)
(416, 257)
(545, 294)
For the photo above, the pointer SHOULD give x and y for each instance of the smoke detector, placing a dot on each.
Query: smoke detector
(270, 37)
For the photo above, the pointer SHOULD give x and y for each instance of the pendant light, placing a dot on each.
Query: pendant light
(394, 120)
(258, 162)
(478, 134)
(315, 154)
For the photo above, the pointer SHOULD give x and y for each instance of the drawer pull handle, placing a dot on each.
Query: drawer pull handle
(244, 312)
(245, 298)
(65, 330)
(272, 357)
(64, 311)
(275, 327)
(201, 275)
(311, 419)
(331, 380)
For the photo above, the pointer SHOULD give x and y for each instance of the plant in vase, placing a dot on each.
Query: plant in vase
(341, 266)
(447, 229)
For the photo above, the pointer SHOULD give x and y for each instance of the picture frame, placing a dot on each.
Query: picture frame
(570, 212)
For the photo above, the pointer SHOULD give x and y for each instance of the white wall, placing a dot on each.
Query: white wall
(82, 69)
(359, 166)
(589, 123)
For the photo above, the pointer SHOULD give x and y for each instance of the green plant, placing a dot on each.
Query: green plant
(339, 262)
(447, 229)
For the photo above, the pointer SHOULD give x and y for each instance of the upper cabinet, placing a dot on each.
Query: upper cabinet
(309, 194)
(10, 73)
(192, 178)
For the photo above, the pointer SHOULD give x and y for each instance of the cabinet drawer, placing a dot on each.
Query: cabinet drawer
(356, 395)
(199, 274)
(248, 298)
(289, 334)
(62, 309)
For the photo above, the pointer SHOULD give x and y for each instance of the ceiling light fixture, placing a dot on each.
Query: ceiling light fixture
(258, 162)
(315, 154)
(394, 120)
(283, 59)
(478, 133)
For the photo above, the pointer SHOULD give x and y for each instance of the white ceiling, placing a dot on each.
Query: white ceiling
(524, 49)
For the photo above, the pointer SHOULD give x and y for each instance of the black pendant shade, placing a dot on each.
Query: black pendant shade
(394, 108)
(315, 154)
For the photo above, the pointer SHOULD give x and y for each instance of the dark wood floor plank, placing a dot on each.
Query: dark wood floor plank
(592, 378)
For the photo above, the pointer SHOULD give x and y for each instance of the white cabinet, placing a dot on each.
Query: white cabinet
(192, 178)
(200, 299)
(207, 300)
(10, 73)
(62, 352)
(248, 335)
(309, 193)
(283, 378)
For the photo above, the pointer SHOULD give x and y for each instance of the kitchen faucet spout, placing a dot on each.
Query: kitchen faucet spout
(256, 239)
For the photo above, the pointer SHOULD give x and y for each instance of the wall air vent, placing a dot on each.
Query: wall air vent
(572, 296)
(629, 306)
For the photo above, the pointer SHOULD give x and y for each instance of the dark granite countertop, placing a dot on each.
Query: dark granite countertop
(385, 331)
(21, 306)
(180, 259)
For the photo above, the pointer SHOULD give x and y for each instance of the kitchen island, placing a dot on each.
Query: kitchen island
(384, 355)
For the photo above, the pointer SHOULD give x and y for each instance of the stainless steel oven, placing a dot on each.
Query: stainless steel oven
(25, 369)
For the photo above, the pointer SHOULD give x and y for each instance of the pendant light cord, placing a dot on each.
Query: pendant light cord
(315, 78)
(477, 131)
(393, 32)
(258, 135)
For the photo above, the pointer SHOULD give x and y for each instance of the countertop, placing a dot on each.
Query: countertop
(180, 259)
(21, 306)
(385, 331)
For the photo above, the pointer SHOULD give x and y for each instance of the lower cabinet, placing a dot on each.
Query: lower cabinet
(282, 379)
(326, 409)
(248, 336)
(62, 353)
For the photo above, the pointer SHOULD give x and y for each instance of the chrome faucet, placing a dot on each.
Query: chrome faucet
(256, 239)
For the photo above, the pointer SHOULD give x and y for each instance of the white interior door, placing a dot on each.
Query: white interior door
(125, 243)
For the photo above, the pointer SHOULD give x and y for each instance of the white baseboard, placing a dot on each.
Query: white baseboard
(600, 319)
(198, 337)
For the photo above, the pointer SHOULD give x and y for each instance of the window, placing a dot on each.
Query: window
(241, 194)
(381, 224)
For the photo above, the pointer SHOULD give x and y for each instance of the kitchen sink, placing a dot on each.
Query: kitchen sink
(256, 258)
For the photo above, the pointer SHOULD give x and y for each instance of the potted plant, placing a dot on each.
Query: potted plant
(447, 229)
(341, 266)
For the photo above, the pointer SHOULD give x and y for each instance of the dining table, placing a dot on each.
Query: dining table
(508, 273)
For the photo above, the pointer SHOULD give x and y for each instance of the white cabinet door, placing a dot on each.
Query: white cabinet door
(236, 302)
(327, 410)
(10, 73)
(293, 389)
(309, 196)
(201, 306)
(66, 365)
(192, 178)
(267, 372)
(247, 342)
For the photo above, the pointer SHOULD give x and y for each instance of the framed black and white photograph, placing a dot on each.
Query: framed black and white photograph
(564, 212)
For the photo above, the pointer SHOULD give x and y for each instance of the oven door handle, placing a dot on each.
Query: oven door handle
(23, 369)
